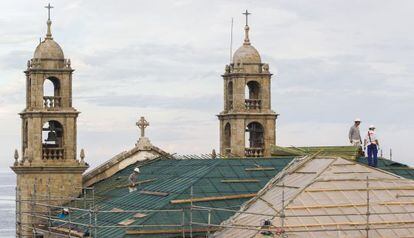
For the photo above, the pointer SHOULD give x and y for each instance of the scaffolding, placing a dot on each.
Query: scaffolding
(83, 215)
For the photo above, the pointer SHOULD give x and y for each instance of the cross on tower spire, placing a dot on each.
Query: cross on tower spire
(48, 11)
(142, 124)
(247, 13)
(246, 28)
(49, 22)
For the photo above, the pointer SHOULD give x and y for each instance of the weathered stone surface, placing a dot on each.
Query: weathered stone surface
(48, 172)
(247, 104)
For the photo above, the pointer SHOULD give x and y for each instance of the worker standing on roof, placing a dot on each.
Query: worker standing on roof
(133, 179)
(371, 144)
(354, 134)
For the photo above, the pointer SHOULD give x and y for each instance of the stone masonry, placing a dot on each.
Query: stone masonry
(247, 123)
(48, 169)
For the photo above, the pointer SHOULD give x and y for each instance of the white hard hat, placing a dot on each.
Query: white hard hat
(136, 170)
(357, 119)
(371, 127)
(66, 209)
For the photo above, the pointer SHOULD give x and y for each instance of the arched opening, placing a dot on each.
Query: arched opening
(52, 135)
(52, 140)
(254, 140)
(252, 95)
(51, 92)
(230, 96)
(253, 90)
(227, 138)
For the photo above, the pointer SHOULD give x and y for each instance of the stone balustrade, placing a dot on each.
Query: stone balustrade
(253, 103)
(253, 152)
(51, 102)
(53, 153)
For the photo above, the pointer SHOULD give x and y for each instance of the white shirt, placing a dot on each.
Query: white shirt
(370, 138)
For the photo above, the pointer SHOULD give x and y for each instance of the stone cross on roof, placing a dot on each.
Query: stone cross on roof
(142, 124)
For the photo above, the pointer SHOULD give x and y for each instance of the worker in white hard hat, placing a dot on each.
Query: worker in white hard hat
(64, 213)
(133, 178)
(371, 144)
(354, 134)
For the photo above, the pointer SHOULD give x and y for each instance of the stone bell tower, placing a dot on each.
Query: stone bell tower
(49, 167)
(247, 123)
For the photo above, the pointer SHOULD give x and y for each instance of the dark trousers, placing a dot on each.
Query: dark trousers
(372, 155)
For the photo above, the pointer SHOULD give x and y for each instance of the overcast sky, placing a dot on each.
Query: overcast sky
(333, 60)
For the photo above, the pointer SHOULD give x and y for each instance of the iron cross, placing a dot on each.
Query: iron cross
(246, 13)
(142, 124)
(48, 10)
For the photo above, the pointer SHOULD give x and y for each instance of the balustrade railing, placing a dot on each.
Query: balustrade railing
(51, 102)
(53, 153)
(253, 152)
(253, 103)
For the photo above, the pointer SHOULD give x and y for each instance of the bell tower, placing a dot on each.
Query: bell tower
(247, 123)
(49, 166)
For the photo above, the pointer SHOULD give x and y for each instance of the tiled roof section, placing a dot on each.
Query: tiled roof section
(393, 167)
(175, 178)
(326, 197)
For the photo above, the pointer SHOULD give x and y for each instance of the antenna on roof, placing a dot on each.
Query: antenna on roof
(231, 40)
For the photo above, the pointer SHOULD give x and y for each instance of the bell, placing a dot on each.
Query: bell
(51, 136)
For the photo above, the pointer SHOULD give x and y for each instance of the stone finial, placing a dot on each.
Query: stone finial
(266, 68)
(82, 155)
(49, 22)
(16, 157)
(246, 29)
(227, 69)
(213, 154)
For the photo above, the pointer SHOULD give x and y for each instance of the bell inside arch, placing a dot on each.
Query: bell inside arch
(51, 136)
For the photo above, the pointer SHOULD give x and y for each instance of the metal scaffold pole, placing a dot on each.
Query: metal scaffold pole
(183, 222)
(191, 212)
(367, 225)
(209, 222)
(33, 207)
(282, 212)
(95, 214)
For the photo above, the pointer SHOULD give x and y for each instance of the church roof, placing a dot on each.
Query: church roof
(327, 197)
(172, 180)
(161, 198)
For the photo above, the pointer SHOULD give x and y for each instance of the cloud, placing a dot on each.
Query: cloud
(333, 61)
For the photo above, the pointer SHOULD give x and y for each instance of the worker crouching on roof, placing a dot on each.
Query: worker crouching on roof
(133, 179)
(371, 144)
(354, 134)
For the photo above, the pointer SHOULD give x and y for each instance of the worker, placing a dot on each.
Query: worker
(133, 178)
(266, 226)
(354, 134)
(64, 213)
(371, 145)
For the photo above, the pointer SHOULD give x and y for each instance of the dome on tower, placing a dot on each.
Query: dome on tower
(48, 49)
(247, 54)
